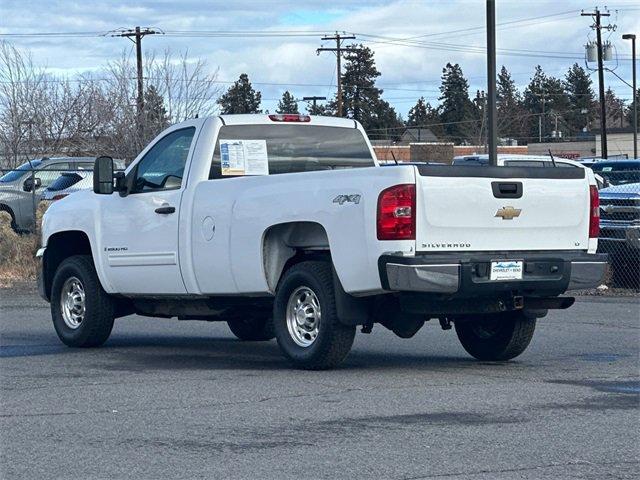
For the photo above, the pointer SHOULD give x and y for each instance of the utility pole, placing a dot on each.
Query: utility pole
(636, 97)
(313, 99)
(597, 26)
(492, 127)
(136, 35)
(338, 51)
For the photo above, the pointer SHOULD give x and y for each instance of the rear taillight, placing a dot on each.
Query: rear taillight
(59, 197)
(594, 212)
(397, 213)
(290, 117)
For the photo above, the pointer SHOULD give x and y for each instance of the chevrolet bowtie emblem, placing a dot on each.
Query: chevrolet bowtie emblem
(508, 213)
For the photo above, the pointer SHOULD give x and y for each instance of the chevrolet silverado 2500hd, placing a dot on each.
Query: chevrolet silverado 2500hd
(285, 226)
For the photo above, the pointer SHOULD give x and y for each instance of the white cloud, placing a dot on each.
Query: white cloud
(407, 72)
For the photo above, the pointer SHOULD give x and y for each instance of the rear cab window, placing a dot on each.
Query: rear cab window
(290, 149)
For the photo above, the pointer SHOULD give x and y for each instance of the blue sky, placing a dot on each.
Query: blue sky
(279, 63)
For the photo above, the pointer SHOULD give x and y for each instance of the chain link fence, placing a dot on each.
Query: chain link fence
(26, 192)
(620, 225)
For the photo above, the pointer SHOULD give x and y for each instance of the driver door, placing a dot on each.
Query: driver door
(139, 235)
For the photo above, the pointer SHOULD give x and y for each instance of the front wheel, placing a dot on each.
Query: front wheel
(81, 310)
(496, 337)
(305, 319)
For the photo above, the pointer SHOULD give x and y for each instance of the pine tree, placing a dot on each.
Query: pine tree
(287, 104)
(422, 114)
(456, 110)
(359, 93)
(582, 103)
(477, 131)
(240, 98)
(385, 122)
(557, 106)
(616, 109)
(546, 102)
(533, 102)
(361, 99)
(419, 113)
(154, 113)
(510, 112)
(318, 109)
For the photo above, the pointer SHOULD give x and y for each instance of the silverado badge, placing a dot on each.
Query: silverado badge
(508, 213)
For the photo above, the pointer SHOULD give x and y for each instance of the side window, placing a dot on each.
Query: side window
(51, 172)
(163, 166)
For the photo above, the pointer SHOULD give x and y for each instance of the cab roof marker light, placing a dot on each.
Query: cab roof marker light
(290, 117)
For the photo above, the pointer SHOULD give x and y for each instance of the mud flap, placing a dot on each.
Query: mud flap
(351, 310)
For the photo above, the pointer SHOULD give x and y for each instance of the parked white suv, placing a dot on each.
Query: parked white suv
(285, 226)
(66, 184)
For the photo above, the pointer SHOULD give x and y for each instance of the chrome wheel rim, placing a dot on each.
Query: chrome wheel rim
(72, 302)
(303, 316)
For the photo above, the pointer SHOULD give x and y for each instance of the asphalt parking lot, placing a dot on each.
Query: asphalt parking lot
(169, 399)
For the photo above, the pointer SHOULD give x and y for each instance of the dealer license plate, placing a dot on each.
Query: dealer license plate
(506, 270)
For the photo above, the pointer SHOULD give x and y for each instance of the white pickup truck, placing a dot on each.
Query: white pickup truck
(285, 226)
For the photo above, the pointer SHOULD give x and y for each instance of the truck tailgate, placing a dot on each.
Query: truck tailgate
(501, 208)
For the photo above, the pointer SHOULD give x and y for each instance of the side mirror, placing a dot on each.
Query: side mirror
(31, 184)
(103, 176)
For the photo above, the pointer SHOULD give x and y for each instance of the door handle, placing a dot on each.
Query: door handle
(165, 210)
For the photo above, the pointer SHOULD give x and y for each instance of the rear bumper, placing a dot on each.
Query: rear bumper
(467, 274)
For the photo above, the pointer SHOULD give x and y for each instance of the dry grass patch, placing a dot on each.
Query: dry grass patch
(17, 253)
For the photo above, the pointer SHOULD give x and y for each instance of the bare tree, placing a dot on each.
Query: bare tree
(20, 83)
(188, 90)
(42, 114)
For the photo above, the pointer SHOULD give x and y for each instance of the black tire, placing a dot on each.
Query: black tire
(256, 329)
(333, 340)
(97, 322)
(496, 337)
(14, 225)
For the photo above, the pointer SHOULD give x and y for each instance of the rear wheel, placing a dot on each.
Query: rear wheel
(254, 329)
(501, 336)
(81, 310)
(305, 319)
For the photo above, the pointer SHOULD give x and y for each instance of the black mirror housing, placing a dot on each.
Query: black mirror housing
(31, 184)
(120, 182)
(103, 176)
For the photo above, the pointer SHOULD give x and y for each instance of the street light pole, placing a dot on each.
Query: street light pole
(636, 97)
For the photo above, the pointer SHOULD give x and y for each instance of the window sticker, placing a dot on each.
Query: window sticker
(244, 157)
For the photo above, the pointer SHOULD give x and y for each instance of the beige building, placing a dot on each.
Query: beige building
(617, 144)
